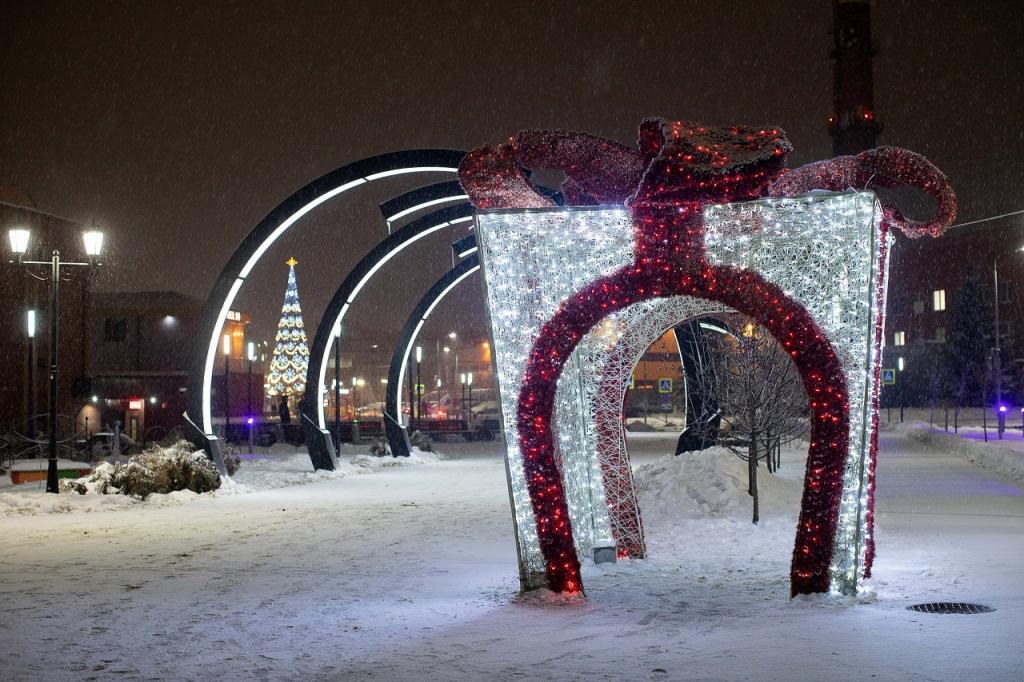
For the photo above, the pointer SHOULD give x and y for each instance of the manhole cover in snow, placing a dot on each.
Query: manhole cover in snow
(950, 607)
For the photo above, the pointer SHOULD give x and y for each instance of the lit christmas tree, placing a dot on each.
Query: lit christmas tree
(291, 354)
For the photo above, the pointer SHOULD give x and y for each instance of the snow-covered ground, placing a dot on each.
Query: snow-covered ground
(409, 573)
(1002, 455)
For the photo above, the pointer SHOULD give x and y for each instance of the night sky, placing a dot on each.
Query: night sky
(178, 126)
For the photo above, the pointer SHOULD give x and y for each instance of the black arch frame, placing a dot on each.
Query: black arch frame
(398, 437)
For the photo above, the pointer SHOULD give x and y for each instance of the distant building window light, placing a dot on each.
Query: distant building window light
(939, 299)
(900, 364)
(899, 339)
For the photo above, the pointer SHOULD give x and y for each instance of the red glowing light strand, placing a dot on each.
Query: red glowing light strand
(886, 167)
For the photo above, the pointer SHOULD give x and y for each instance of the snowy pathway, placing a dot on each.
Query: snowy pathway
(409, 573)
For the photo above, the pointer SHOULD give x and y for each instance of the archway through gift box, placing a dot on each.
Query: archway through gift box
(591, 437)
(824, 250)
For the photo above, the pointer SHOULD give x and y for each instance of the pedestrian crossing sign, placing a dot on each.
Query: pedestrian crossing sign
(889, 376)
(664, 385)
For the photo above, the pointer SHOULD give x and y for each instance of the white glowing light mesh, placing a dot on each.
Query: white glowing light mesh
(532, 261)
(588, 405)
(822, 249)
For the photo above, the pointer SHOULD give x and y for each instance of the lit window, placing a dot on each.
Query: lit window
(940, 334)
(899, 364)
(899, 339)
(939, 299)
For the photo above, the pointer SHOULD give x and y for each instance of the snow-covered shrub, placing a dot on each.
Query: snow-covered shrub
(422, 441)
(98, 482)
(232, 457)
(164, 470)
(158, 470)
(380, 448)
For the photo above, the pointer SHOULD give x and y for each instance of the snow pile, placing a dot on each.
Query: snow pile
(998, 456)
(281, 471)
(416, 457)
(711, 483)
(31, 499)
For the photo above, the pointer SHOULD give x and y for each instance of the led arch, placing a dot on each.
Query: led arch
(591, 439)
(259, 240)
(396, 434)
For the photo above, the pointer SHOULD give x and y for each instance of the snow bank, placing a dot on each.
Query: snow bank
(257, 473)
(416, 457)
(994, 455)
(711, 483)
(282, 471)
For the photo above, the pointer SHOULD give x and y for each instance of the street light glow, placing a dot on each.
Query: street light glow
(453, 335)
(226, 346)
(93, 242)
(251, 351)
(19, 239)
(419, 354)
(31, 324)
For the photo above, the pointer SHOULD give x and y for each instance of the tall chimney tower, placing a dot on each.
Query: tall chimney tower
(853, 124)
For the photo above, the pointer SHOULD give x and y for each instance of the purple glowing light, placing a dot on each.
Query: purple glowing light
(250, 421)
(1002, 408)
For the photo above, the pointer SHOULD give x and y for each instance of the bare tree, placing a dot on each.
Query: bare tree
(761, 397)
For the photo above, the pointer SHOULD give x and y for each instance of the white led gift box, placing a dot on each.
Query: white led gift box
(824, 250)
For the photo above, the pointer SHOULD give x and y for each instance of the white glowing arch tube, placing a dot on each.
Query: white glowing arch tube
(211, 352)
(322, 377)
(416, 332)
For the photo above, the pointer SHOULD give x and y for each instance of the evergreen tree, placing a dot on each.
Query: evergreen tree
(291, 354)
(968, 348)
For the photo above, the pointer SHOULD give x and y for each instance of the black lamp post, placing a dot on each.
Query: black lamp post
(49, 270)
(227, 383)
(250, 354)
(469, 382)
(419, 387)
(337, 387)
(31, 329)
(997, 368)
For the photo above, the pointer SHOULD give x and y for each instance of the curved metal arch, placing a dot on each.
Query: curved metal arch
(694, 354)
(261, 237)
(313, 418)
(396, 433)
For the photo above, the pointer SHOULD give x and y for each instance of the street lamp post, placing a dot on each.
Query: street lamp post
(469, 415)
(250, 354)
(93, 241)
(997, 365)
(227, 380)
(419, 386)
(462, 382)
(31, 324)
(337, 387)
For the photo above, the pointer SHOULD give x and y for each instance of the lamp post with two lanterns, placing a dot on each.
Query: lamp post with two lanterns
(50, 270)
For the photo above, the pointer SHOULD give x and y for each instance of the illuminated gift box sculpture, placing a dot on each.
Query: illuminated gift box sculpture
(575, 296)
